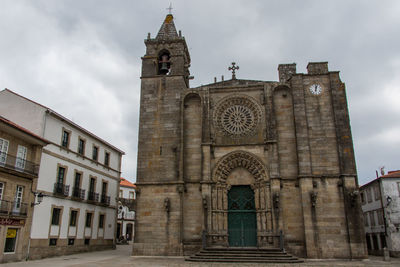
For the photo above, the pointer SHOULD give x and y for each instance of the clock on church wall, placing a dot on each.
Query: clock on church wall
(237, 116)
(315, 89)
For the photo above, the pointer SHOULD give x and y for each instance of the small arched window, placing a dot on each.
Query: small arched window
(164, 63)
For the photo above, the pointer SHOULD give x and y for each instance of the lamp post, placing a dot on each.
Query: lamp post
(38, 198)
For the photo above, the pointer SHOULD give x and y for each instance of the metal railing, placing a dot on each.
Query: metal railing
(13, 208)
(11, 162)
(93, 196)
(128, 202)
(105, 200)
(61, 189)
(78, 193)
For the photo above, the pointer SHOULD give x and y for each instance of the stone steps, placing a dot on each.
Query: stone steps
(243, 255)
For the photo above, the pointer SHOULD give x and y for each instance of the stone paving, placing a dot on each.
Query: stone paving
(121, 258)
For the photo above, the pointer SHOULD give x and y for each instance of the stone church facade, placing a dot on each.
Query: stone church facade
(244, 163)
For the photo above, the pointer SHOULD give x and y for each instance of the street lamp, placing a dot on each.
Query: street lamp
(38, 197)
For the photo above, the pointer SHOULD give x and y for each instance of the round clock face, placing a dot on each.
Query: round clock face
(315, 89)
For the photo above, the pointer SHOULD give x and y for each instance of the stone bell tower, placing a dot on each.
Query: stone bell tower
(165, 74)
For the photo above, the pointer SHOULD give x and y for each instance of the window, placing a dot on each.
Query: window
(81, 146)
(101, 221)
(88, 219)
(55, 218)
(104, 189)
(92, 185)
(3, 151)
(95, 153)
(77, 181)
(65, 139)
(71, 241)
(372, 218)
(53, 242)
(72, 218)
(131, 195)
(120, 193)
(377, 192)
(362, 197)
(11, 240)
(1, 190)
(18, 199)
(380, 217)
(365, 219)
(60, 175)
(107, 159)
(369, 196)
(87, 241)
(398, 188)
(21, 158)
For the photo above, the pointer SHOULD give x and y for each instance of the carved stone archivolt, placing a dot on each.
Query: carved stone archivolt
(218, 226)
(237, 116)
(239, 159)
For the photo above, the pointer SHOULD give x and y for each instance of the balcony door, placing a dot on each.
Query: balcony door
(21, 158)
(18, 199)
(3, 151)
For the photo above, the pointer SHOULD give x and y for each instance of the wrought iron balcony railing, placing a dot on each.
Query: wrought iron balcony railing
(128, 202)
(93, 196)
(11, 162)
(105, 200)
(78, 193)
(61, 189)
(13, 208)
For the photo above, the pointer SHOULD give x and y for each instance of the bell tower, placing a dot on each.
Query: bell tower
(165, 76)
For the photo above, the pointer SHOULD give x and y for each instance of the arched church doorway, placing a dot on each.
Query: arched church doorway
(242, 225)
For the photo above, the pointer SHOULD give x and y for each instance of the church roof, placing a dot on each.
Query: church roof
(234, 82)
(167, 30)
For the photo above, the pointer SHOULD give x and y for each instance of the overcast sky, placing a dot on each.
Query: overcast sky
(82, 58)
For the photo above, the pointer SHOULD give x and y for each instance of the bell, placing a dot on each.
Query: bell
(164, 64)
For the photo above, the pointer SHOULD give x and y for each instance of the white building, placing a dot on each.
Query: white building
(381, 207)
(126, 211)
(79, 174)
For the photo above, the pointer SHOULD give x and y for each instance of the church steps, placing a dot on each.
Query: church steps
(243, 255)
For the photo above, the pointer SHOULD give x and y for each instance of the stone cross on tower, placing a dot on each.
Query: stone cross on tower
(169, 8)
(233, 69)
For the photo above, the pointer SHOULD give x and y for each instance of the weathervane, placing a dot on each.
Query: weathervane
(233, 69)
(169, 8)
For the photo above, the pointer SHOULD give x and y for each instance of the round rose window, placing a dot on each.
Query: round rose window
(237, 116)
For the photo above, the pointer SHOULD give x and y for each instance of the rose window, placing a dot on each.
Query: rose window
(237, 116)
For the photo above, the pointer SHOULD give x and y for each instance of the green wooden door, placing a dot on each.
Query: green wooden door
(242, 226)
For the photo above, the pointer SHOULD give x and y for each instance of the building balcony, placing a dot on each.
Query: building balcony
(78, 193)
(18, 164)
(13, 208)
(61, 189)
(93, 197)
(128, 202)
(105, 200)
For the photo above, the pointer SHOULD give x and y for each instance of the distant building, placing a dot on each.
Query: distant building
(381, 207)
(20, 153)
(126, 211)
(79, 175)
